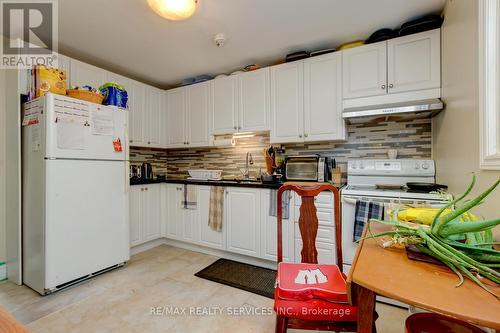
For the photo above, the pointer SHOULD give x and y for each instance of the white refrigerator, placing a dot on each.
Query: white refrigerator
(75, 191)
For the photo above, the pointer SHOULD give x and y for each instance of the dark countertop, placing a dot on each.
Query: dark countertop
(232, 183)
(146, 181)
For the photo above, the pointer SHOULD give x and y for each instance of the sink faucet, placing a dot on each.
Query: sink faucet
(248, 162)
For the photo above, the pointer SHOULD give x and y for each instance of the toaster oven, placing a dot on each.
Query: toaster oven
(312, 168)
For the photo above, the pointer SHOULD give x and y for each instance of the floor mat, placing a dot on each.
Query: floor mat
(250, 278)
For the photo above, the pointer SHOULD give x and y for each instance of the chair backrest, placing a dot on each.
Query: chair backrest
(308, 220)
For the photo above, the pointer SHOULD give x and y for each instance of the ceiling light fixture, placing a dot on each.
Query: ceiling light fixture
(175, 10)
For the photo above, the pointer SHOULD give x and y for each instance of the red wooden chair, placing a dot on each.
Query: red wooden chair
(315, 305)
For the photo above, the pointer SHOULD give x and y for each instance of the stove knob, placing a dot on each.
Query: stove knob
(417, 166)
(425, 166)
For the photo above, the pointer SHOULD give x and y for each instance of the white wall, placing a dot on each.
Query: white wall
(456, 130)
(3, 255)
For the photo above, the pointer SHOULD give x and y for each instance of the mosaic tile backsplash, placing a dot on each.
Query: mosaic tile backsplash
(412, 139)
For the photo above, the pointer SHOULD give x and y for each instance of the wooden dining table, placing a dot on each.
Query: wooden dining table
(388, 272)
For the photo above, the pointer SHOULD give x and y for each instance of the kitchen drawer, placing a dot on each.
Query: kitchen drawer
(325, 216)
(323, 200)
(325, 234)
(326, 252)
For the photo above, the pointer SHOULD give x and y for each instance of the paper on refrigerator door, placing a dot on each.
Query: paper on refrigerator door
(32, 110)
(101, 122)
(70, 133)
(35, 137)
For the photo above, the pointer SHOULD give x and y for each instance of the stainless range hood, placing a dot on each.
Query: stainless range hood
(393, 112)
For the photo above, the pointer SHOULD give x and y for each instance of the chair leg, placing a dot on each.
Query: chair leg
(375, 317)
(281, 324)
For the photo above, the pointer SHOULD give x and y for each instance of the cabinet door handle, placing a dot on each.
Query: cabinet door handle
(142, 189)
(235, 127)
(383, 86)
(300, 135)
(391, 86)
(146, 189)
(149, 142)
(306, 135)
(131, 141)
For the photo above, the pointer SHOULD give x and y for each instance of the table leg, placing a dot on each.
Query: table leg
(365, 299)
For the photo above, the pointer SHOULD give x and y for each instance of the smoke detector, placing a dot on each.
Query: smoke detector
(220, 40)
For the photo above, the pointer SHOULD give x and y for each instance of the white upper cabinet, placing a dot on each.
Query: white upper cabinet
(188, 114)
(152, 117)
(364, 70)
(176, 117)
(306, 100)
(198, 123)
(121, 80)
(287, 102)
(254, 101)
(240, 103)
(405, 64)
(323, 98)
(224, 105)
(137, 116)
(64, 63)
(82, 74)
(414, 62)
(163, 119)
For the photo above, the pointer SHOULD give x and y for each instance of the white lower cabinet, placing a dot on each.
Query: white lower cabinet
(180, 223)
(188, 225)
(325, 238)
(135, 216)
(145, 213)
(152, 213)
(269, 232)
(243, 220)
(206, 236)
(326, 252)
(173, 213)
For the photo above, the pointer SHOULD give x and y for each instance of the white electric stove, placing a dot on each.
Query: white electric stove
(383, 181)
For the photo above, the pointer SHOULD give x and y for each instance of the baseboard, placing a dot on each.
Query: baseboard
(205, 250)
(3, 271)
(146, 246)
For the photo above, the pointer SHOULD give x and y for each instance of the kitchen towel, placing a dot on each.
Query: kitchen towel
(366, 210)
(189, 197)
(285, 203)
(216, 208)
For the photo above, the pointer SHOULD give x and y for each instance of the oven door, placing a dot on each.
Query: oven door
(348, 214)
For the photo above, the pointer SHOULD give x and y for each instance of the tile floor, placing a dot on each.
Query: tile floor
(122, 301)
